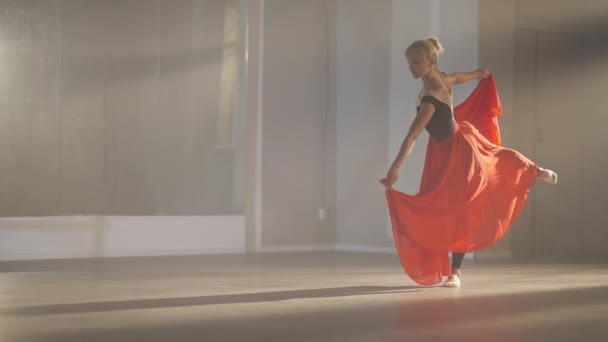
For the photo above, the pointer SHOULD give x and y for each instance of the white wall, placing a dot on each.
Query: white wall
(295, 118)
(363, 104)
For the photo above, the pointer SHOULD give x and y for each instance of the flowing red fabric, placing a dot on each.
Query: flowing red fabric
(471, 191)
(481, 109)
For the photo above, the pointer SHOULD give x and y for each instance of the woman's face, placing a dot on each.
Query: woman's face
(420, 65)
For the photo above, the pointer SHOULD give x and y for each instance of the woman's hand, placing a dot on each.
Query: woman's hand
(391, 177)
(482, 73)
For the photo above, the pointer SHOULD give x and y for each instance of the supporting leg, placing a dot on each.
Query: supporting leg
(454, 279)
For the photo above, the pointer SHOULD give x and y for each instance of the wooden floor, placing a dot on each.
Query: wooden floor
(297, 297)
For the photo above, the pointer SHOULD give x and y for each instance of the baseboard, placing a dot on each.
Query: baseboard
(338, 247)
(295, 248)
(61, 237)
(493, 255)
(365, 249)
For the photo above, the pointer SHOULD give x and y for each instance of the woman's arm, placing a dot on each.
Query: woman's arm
(462, 77)
(422, 119)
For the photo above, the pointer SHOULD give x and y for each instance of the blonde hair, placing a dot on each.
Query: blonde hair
(431, 47)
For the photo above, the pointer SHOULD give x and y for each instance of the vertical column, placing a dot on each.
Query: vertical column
(253, 124)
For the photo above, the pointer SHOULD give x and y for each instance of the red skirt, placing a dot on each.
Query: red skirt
(471, 192)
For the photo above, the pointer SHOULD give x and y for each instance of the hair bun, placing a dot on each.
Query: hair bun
(435, 42)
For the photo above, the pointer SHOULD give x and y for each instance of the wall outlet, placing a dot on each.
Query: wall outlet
(322, 214)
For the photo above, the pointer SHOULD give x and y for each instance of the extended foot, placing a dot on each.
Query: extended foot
(547, 176)
(452, 281)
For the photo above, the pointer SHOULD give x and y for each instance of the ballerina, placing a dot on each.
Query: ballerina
(472, 189)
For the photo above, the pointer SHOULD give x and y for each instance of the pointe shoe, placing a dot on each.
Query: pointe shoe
(452, 281)
(547, 176)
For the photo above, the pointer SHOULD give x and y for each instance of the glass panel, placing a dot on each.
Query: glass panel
(122, 107)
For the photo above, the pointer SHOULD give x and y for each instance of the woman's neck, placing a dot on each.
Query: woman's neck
(431, 77)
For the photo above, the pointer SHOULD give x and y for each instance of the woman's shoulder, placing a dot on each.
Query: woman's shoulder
(439, 90)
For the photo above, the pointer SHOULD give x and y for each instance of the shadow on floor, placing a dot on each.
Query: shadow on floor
(207, 300)
(557, 315)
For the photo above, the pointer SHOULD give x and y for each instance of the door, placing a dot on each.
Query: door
(550, 112)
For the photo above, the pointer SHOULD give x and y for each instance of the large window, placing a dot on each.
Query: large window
(121, 107)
